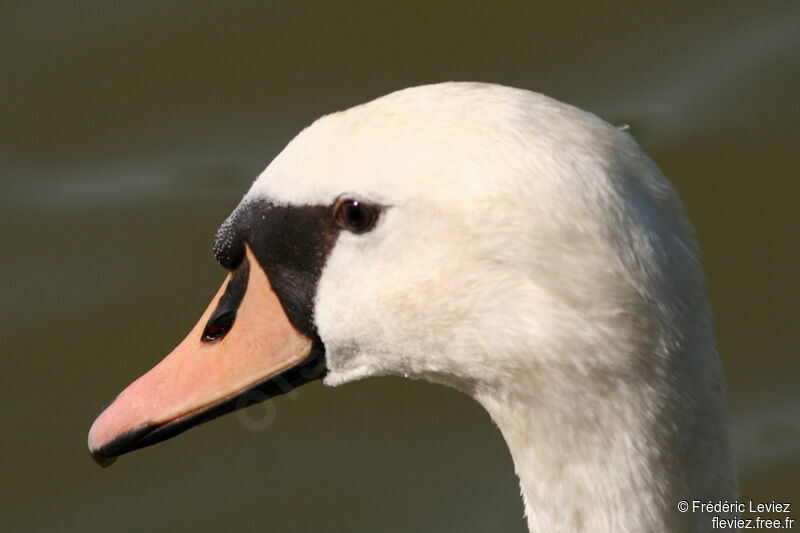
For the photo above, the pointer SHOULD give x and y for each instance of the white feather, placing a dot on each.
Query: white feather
(533, 257)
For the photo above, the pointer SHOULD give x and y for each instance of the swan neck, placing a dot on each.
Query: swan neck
(618, 463)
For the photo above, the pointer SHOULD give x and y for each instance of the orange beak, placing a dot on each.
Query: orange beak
(260, 355)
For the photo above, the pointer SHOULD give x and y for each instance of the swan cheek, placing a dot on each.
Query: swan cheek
(202, 379)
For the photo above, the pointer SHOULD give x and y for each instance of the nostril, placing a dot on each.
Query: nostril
(224, 315)
(218, 325)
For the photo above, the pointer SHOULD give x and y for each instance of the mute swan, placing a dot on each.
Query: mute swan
(497, 241)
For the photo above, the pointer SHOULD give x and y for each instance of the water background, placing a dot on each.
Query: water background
(129, 130)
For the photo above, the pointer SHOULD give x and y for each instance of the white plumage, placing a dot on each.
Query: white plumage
(533, 257)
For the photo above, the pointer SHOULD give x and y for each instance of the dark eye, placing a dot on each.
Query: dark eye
(355, 216)
(218, 325)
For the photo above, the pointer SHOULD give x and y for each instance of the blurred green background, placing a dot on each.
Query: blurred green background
(129, 130)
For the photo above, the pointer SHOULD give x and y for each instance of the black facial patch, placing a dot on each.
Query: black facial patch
(291, 244)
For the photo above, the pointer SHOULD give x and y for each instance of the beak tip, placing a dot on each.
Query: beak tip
(97, 452)
(105, 446)
(102, 460)
(97, 442)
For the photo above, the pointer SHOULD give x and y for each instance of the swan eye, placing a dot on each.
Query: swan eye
(355, 216)
(218, 326)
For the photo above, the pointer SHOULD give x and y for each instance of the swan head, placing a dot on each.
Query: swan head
(488, 238)
(512, 233)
